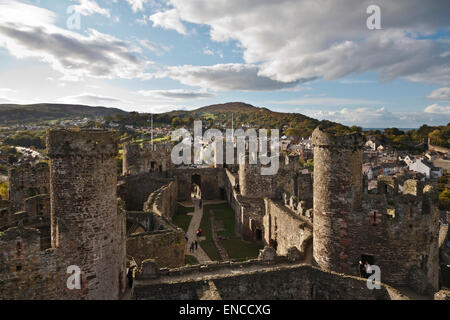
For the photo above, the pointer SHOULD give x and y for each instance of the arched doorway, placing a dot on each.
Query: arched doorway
(196, 187)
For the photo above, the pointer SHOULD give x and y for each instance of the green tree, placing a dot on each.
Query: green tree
(4, 190)
(176, 122)
(444, 200)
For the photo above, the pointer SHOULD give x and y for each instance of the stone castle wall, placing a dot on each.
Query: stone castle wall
(249, 211)
(166, 247)
(247, 200)
(299, 282)
(26, 181)
(144, 158)
(163, 201)
(135, 190)
(255, 185)
(398, 231)
(36, 211)
(211, 180)
(402, 238)
(250, 218)
(27, 272)
(284, 229)
(85, 219)
(159, 240)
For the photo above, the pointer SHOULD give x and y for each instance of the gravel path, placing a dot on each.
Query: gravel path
(197, 215)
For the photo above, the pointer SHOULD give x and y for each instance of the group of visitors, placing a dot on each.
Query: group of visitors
(194, 246)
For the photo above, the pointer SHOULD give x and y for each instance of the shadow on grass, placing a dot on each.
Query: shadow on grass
(181, 218)
(236, 248)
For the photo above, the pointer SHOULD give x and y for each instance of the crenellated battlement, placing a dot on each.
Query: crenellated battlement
(82, 143)
(27, 271)
(398, 190)
(28, 168)
(27, 180)
(324, 139)
(143, 157)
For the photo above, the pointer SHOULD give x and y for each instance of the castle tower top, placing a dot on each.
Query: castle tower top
(66, 143)
(325, 138)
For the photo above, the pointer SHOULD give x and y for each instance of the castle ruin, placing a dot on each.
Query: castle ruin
(316, 227)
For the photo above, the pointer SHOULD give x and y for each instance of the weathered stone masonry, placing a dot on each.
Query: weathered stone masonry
(254, 280)
(399, 232)
(86, 228)
(144, 158)
(153, 237)
(26, 181)
(84, 215)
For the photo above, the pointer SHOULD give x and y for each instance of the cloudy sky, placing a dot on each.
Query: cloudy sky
(315, 57)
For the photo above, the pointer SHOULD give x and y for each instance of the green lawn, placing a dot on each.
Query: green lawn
(161, 139)
(237, 249)
(241, 250)
(181, 219)
(208, 244)
(147, 140)
(190, 260)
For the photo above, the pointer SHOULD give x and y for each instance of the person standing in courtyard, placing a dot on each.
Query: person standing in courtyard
(361, 269)
(130, 276)
(368, 269)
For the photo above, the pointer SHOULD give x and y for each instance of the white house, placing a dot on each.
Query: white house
(408, 159)
(425, 167)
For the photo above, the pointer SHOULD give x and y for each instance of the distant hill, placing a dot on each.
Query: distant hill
(232, 107)
(229, 107)
(293, 124)
(14, 113)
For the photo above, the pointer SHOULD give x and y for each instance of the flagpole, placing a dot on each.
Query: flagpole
(152, 132)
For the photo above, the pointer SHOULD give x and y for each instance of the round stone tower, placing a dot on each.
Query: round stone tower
(338, 190)
(84, 218)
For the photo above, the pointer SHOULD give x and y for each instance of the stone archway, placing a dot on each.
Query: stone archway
(196, 186)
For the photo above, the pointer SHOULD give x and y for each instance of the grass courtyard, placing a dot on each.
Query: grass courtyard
(181, 218)
(236, 248)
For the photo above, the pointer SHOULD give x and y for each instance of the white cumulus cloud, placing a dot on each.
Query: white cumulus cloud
(292, 40)
(27, 31)
(176, 94)
(440, 94)
(89, 7)
(137, 5)
(379, 117)
(168, 19)
(435, 108)
(231, 76)
(89, 98)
